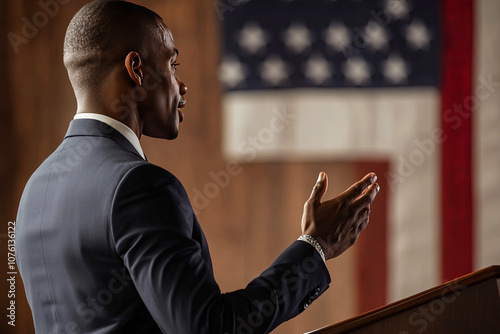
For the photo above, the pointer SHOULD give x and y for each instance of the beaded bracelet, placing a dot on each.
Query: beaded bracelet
(313, 242)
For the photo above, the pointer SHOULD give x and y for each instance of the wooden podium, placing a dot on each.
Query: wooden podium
(469, 304)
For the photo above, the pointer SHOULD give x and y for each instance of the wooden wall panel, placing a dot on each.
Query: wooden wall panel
(8, 159)
(251, 219)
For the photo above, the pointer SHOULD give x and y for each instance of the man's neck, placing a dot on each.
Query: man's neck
(123, 114)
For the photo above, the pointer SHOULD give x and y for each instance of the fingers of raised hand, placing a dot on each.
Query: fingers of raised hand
(366, 197)
(319, 188)
(359, 187)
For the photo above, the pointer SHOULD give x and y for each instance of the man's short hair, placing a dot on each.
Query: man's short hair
(102, 33)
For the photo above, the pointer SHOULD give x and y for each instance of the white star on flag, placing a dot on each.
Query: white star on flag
(297, 37)
(395, 70)
(418, 36)
(232, 72)
(252, 38)
(357, 71)
(337, 36)
(318, 69)
(376, 36)
(274, 71)
(398, 8)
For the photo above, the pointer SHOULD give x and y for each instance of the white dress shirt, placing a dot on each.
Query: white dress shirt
(118, 126)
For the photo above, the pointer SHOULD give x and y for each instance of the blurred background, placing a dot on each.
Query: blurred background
(279, 91)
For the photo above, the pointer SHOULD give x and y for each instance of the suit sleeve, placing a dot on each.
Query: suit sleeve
(152, 228)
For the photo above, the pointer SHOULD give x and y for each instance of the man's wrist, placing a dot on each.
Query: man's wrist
(313, 242)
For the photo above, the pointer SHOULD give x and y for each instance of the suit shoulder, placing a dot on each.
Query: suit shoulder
(148, 172)
(148, 177)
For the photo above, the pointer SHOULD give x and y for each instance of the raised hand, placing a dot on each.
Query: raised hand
(337, 223)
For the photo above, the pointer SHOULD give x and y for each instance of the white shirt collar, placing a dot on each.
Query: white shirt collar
(118, 126)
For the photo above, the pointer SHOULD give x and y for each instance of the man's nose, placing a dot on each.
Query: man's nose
(182, 88)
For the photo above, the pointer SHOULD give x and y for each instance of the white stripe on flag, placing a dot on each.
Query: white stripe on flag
(487, 137)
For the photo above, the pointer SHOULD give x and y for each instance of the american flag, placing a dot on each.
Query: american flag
(377, 81)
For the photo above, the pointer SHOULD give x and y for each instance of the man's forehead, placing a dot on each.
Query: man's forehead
(168, 39)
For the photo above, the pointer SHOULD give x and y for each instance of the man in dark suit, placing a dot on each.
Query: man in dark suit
(108, 243)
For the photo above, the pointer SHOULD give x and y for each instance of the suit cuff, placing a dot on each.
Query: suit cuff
(313, 242)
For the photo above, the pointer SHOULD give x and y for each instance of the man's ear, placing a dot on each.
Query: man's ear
(133, 63)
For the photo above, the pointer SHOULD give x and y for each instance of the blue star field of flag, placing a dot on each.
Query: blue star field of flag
(273, 44)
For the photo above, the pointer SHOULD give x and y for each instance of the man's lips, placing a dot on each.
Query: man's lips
(181, 104)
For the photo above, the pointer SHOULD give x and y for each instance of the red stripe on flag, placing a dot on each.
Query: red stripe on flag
(456, 121)
(372, 244)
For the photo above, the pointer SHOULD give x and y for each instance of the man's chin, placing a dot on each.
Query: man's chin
(173, 136)
(168, 135)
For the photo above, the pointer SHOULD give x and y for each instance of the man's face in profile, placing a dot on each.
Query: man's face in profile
(163, 89)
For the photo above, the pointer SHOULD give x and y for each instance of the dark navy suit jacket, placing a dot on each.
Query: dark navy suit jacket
(108, 243)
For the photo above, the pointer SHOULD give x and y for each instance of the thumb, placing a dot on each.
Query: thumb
(320, 188)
